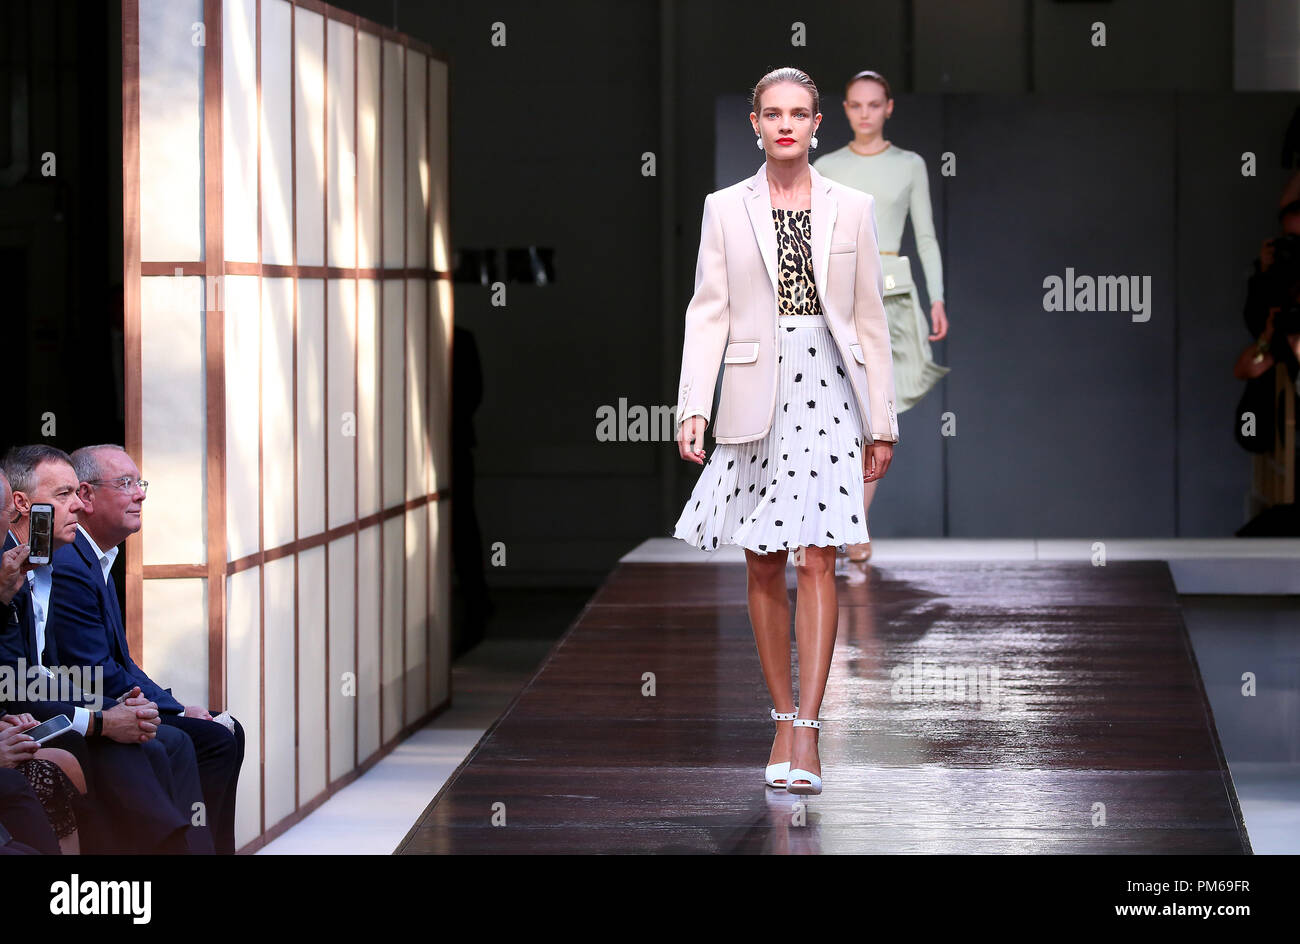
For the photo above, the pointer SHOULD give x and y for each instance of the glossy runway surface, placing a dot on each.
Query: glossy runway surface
(973, 707)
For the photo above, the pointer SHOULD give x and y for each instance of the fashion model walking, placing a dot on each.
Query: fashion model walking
(788, 297)
(897, 178)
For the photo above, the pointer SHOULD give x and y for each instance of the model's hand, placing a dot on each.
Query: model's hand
(939, 318)
(690, 439)
(875, 461)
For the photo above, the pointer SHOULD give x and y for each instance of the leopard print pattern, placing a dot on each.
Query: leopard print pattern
(797, 294)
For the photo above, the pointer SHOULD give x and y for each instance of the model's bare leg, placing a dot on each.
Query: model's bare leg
(769, 613)
(860, 552)
(815, 622)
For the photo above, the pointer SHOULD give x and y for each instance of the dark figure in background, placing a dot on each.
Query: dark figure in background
(467, 541)
(1272, 315)
(1272, 311)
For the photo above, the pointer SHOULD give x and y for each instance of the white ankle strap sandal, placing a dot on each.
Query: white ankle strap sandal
(775, 774)
(802, 782)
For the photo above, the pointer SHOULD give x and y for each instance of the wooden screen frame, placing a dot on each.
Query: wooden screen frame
(217, 568)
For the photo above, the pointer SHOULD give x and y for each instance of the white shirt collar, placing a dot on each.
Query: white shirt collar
(106, 558)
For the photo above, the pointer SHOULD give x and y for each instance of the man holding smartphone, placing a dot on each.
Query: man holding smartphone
(143, 775)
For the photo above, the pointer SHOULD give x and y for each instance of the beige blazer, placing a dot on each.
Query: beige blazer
(732, 317)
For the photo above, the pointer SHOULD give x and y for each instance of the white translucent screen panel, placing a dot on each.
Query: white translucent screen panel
(393, 391)
(394, 630)
(309, 132)
(393, 153)
(239, 128)
(368, 381)
(277, 412)
(417, 159)
(369, 592)
(440, 334)
(173, 413)
(278, 689)
(440, 194)
(368, 196)
(243, 688)
(342, 655)
(171, 131)
(176, 638)
(417, 612)
(417, 388)
(312, 642)
(243, 352)
(341, 109)
(440, 615)
(340, 411)
(311, 407)
(277, 134)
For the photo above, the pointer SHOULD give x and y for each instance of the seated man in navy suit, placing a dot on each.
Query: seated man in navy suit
(143, 777)
(87, 623)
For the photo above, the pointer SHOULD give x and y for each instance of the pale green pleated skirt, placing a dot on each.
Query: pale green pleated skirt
(915, 372)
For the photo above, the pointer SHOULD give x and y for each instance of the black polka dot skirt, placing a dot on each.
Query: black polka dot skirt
(801, 485)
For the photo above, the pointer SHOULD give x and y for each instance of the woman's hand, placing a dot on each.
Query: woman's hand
(15, 747)
(939, 318)
(690, 439)
(876, 459)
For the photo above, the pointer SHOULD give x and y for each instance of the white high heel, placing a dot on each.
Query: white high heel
(813, 786)
(775, 774)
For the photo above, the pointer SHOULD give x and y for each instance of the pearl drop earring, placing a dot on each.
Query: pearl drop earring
(758, 141)
(813, 142)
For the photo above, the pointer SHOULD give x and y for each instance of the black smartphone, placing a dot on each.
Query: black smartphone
(41, 535)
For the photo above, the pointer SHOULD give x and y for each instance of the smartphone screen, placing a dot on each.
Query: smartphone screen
(47, 729)
(41, 533)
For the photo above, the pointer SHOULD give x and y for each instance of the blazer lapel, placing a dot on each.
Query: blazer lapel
(759, 205)
(107, 597)
(824, 209)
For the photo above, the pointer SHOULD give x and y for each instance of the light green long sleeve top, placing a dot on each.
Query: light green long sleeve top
(898, 180)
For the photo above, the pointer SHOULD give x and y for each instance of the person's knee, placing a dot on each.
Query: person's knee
(815, 562)
(175, 742)
(767, 568)
(66, 763)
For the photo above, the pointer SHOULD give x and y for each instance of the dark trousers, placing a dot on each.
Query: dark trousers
(24, 828)
(220, 754)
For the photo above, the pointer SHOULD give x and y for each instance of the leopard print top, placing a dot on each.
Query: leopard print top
(797, 294)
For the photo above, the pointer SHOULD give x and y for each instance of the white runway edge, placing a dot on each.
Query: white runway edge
(1198, 565)
(371, 815)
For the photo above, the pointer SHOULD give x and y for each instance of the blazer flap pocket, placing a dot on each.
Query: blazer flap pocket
(856, 350)
(844, 247)
(741, 352)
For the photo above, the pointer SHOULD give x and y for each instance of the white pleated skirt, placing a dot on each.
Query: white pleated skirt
(801, 484)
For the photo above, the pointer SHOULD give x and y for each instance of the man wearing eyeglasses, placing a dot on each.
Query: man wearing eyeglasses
(86, 620)
(143, 775)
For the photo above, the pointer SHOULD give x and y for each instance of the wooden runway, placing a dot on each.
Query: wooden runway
(1070, 718)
